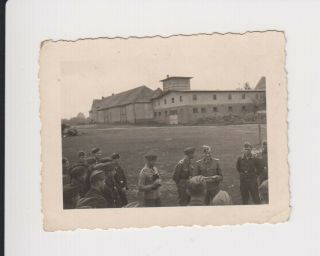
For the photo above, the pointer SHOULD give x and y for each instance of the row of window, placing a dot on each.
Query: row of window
(196, 111)
(214, 97)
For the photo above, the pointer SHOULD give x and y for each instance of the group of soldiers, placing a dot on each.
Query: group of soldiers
(100, 182)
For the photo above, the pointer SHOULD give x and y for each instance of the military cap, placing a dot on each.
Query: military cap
(95, 150)
(105, 159)
(247, 145)
(115, 156)
(81, 153)
(78, 170)
(91, 160)
(206, 149)
(96, 176)
(189, 150)
(150, 155)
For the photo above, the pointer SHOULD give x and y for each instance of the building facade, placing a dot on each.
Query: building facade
(176, 103)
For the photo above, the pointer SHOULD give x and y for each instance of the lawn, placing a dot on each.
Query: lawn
(133, 142)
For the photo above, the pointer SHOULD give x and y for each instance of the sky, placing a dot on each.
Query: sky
(90, 69)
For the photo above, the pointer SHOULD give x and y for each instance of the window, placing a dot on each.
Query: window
(261, 96)
(158, 102)
(230, 109)
(172, 100)
(215, 109)
(214, 96)
(159, 113)
(155, 114)
(181, 99)
(243, 96)
(203, 110)
(244, 108)
(165, 101)
(194, 96)
(166, 113)
(257, 96)
(230, 96)
(195, 110)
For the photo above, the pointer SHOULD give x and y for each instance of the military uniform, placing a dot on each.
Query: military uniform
(71, 195)
(147, 177)
(182, 172)
(121, 181)
(93, 199)
(208, 167)
(111, 193)
(78, 170)
(249, 169)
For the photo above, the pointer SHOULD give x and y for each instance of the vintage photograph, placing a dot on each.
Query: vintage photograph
(163, 122)
(164, 141)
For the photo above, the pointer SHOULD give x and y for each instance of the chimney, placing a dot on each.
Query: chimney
(168, 76)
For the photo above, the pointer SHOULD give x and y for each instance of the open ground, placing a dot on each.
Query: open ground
(168, 142)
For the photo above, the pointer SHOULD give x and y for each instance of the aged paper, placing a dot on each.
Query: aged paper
(75, 73)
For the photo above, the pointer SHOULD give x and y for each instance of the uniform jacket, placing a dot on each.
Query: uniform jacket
(146, 177)
(183, 170)
(210, 167)
(248, 167)
(111, 193)
(120, 177)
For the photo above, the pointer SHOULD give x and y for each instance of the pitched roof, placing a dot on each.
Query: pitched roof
(140, 94)
(261, 85)
(96, 104)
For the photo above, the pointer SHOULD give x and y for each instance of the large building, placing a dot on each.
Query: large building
(176, 103)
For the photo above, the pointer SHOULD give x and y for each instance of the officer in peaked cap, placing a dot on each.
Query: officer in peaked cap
(182, 173)
(120, 179)
(78, 174)
(209, 167)
(111, 191)
(94, 198)
(249, 168)
(150, 181)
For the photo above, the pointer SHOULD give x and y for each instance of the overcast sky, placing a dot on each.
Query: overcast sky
(90, 69)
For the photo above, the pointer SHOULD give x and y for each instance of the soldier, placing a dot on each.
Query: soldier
(91, 162)
(249, 169)
(111, 191)
(82, 157)
(120, 179)
(183, 171)
(197, 189)
(71, 195)
(97, 153)
(78, 174)
(65, 171)
(150, 182)
(209, 167)
(94, 198)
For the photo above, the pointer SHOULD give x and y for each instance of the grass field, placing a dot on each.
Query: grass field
(132, 143)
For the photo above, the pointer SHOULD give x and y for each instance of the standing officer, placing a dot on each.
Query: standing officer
(182, 173)
(150, 182)
(209, 167)
(249, 169)
(94, 197)
(120, 179)
(111, 191)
